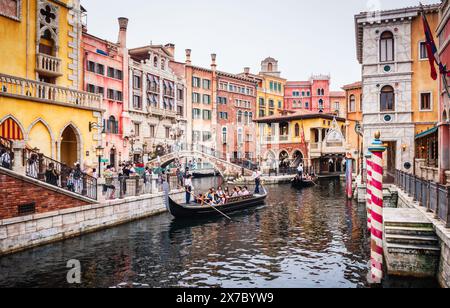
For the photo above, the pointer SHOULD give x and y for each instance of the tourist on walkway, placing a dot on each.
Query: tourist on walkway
(33, 166)
(51, 175)
(5, 159)
(257, 177)
(78, 179)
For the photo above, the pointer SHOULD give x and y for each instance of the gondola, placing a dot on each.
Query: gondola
(195, 211)
(302, 183)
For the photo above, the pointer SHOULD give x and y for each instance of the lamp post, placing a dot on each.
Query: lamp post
(99, 151)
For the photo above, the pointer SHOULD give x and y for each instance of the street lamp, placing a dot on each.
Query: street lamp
(99, 151)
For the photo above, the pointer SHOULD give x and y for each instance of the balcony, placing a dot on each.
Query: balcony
(48, 66)
(162, 112)
(284, 138)
(27, 89)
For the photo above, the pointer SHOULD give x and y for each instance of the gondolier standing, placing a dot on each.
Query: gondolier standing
(257, 177)
(188, 187)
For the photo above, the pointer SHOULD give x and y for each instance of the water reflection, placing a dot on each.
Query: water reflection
(313, 238)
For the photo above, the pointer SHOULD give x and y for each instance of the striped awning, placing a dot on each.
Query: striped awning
(9, 129)
(427, 133)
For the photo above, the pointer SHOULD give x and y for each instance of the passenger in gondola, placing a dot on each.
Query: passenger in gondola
(227, 192)
(200, 199)
(235, 193)
(221, 196)
(240, 191)
(245, 191)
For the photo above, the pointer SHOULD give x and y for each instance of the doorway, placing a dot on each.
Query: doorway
(69, 147)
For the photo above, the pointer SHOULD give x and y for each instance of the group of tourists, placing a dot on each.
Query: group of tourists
(220, 196)
(304, 175)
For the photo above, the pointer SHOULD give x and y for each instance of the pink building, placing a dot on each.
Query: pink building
(106, 73)
(313, 95)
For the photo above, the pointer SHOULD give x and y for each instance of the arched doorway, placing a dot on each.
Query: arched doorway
(297, 158)
(284, 159)
(40, 138)
(10, 129)
(69, 146)
(112, 157)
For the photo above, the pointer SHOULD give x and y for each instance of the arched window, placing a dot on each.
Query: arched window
(270, 67)
(386, 47)
(246, 121)
(318, 92)
(297, 130)
(155, 61)
(387, 99)
(112, 126)
(163, 64)
(239, 117)
(320, 104)
(224, 135)
(300, 105)
(250, 117)
(352, 104)
(294, 104)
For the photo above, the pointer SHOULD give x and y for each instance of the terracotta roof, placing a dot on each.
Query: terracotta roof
(352, 86)
(337, 94)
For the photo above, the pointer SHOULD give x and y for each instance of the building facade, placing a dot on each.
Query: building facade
(106, 74)
(41, 102)
(399, 95)
(156, 104)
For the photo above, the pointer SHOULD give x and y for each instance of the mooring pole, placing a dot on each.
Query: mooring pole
(369, 191)
(349, 176)
(377, 148)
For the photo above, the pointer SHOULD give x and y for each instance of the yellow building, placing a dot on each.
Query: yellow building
(40, 80)
(315, 139)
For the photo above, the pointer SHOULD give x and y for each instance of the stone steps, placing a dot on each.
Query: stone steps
(413, 249)
(411, 240)
(414, 231)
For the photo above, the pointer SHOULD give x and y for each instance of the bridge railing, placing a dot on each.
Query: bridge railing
(434, 196)
(241, 162)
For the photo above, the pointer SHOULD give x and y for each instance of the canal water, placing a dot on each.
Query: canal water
(309, 238)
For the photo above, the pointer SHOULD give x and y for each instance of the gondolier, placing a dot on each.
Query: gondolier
(257, 177)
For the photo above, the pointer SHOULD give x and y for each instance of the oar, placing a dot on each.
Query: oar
(223, 214)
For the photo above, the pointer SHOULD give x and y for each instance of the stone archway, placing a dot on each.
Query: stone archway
(70, 146)
(283, 159)
(297, 158)
(40, 137)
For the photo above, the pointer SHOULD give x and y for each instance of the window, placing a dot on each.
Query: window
(10, 8)
(152, 131)
(262, 113)
(155, 61)
(113, 73)
(308, 94)
(387, 99)
(180, 110)
(297, 130)
(425, 101)
(223, 115)
(90, 88)
(196, 82)
(206, 84)
(163, 64)
(137, 103)
(195, 97)
(262, 103)
(386, 47)
(320, 104)
(222, 100)
(240, 136)
(180, 94)
(196, 114)
(207, 136)
(296, 94)
(239, 117)
(136, 82)
(352, 104)
(224, 135)
(196, 136)
(337, 106)
(112, 126)
(271, 86)
(271, 104)
(246, 121)
(280, 104)
(167, 130)
(137, 129)
(100, 69)
(306, 105)
(423, 51)
(91, 66)
(206, 99)
(206, 115)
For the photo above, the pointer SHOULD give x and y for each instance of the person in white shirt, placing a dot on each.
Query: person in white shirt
(257, 177)
(189, 188)
(300, 170)
(5, 159)
(245, 191)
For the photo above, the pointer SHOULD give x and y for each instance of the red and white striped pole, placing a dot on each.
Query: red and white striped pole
(377, 148)
(369, 191)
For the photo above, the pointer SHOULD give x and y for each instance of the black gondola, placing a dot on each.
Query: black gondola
(299, 183)
(185, 211)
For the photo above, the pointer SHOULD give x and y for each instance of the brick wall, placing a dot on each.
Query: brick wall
(15, 191)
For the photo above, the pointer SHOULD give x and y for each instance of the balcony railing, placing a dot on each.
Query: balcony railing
(48, 65)
(314, 146)
(162, 112)
(334, 144)
(34, 90)
(435, 197)
(284, 138)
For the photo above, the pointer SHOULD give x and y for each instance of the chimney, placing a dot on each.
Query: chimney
(123, 25)
(188, 57)
(213, 61)
(171, 49)
(246, 71)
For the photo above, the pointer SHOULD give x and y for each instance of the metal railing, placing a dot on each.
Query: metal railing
(282, 171)
(50, 171)
(6, 153)
(120, 187)
(433, 196)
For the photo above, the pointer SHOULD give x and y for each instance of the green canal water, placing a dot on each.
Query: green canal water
(309, 238)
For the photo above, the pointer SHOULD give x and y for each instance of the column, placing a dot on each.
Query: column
(377, 148)
(349, 176)
(369, 191)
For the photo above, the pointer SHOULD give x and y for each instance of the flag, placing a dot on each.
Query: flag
(433, 56)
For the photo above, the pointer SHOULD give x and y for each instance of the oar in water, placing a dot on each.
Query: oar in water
(210, 205)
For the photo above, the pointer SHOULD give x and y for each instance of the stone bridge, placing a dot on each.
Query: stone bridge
(226, 168)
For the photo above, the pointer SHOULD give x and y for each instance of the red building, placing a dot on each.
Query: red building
(313, 95)
(106, 72)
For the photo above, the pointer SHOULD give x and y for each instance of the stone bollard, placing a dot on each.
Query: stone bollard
(18, 163)
(131, 187)
(377, 148)
(100, 184)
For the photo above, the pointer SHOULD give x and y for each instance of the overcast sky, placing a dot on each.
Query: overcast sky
(305, 36)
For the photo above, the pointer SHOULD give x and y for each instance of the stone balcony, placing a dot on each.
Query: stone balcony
(162, 112)
(27, 89)
(48, 65)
